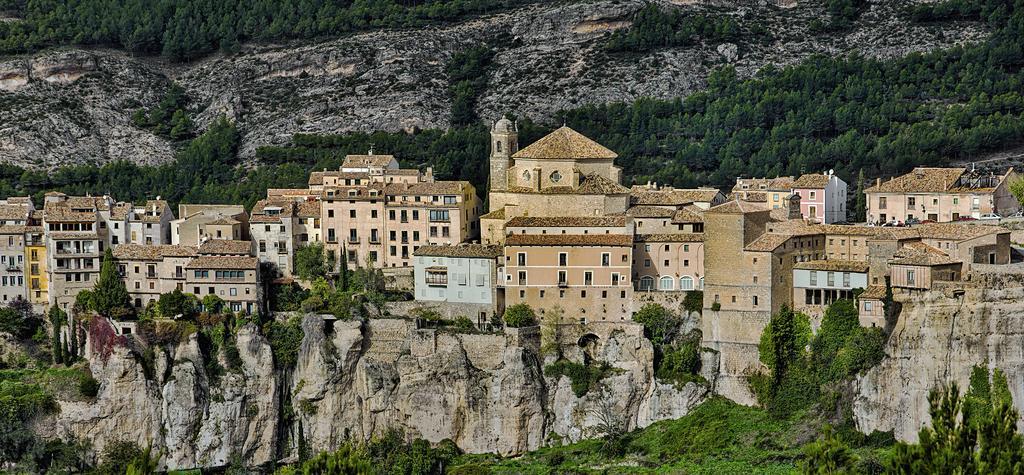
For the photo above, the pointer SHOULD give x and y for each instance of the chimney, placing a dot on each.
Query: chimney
(878, 181)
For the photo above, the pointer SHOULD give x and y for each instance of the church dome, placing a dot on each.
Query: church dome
(504, 125)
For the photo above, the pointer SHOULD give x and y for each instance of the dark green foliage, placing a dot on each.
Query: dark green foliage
(840, 321)
(117, 456)
(960, 441)
(285, 339)
(311, 262)
(88, 386)
(349, 459)
(660, 326)
(694, 301)
(181, 30)
(168, 118)
(463, 324)
(520, 315)
(841, 14)
(110, 297)
(177, 304)
(582, 377)
(656, 27)
(287, 297)
(860, 213)
(828, 455)
(20, 402)
(468, 78)
(18, 324)
(679, 364)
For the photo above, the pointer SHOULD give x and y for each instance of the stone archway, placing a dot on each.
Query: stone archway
(589, 343)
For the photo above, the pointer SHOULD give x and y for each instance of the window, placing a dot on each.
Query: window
(647, 283)
(522, 277)
(755, 300)
(910, 276)
(867, 306)
(814, 277)
(563, 278)
(563, 259)
(439, 215)
(521, 259)
(881, 202)
(352, 213)
(686, 283)
(666, 283)
(437, 276)
(615, 278)
(415, 214)
(588, 278)
(647, 263)
(831, 279)
(555, 176)
(846, 279)
(606, 259)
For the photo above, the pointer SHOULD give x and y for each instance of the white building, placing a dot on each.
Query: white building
(816, 284)
(461, 279)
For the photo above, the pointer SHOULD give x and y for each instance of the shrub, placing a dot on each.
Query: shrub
(660, 325)
(285, 340)
(520, 315)
(88, 386)
(694, 301)
(463, 323)
(680, 364)
(581, 377)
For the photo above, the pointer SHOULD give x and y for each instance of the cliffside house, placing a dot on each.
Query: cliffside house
(941, 195)
(460, 279)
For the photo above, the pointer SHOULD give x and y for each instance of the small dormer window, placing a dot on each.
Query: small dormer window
(555, 176)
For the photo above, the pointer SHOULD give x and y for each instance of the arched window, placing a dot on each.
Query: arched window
(647, 283)
(666, 283)
(686, 283)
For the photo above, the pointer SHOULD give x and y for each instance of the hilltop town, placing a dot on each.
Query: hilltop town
(561, 235)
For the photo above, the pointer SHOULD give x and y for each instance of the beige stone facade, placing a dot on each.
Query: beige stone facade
(941, 195)
(152, 270)
(235, 279)
(197, 222)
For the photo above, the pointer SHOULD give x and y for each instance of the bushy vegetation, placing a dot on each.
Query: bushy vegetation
(389, 454)
(582, 377)
(802, 364)
(520, 315)
(467, 73)
(169, 118)
(656, 27)
(311, 262)
(182, 30)
(676, 357)
(285, 340)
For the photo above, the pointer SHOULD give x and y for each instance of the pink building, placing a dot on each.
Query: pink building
(822, 197)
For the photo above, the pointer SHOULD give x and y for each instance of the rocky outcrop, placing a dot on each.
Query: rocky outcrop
(940, 336)
(177, 409)
(70, 106)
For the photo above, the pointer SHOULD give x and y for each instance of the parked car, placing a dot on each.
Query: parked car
(990, 216)
(966, 218)
(913, 221)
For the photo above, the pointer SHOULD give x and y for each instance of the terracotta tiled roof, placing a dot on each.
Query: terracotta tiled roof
(688, 214)
(226, 246)
(361, 192)
(921, 180)
(307, 209)
(673, 197)
(88, 235)
(224, 221)
(783, 183)
(365, 161)
(955, 231)
(565, 143)
(812, 180)
(402, 171)
(672, 237)
(14, 212)
(61, 212)
(837, 265)
(590, 185)
(873, 292)
(152, 253)
(120, 211)
(767, 242)
(921, 254)
(565, 221)
(496, 214)
(460, 250)
(600, 240)
(755, 196)
(644, 211)
(223, 262)
(738, 207)
(427, 188)
(13, 228)
(264, 219)
(287, 192)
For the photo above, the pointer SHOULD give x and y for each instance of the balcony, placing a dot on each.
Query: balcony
(66, 251)
(353, 240)
(178, 275)
(150, 275)
(13, 268)
(563, 284)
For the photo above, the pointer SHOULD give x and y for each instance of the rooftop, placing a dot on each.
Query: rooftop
(768, 242)
(738, 207)
(672, 197)
(460, 250)
(152, 253)
(223, 262)
(644, 211)
(226, 246)
(597, 240)
(837, 265)
(566, 221)
(590, 185)
(565, 143)
(920, 254)
(812, 180)
(688, 214)
(670, 237)
(783, 183)
(873, 292)
(937, 180)
(427, 188)
(366, 161)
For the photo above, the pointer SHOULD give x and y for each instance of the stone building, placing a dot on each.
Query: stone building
(76, 236)
(197, 222)
(941, 195)
(372, 211)
(152, 270)
(772, 191)
(462, 280)
(668, 262)
(235, 279)
(280, 225)
(150, 224)
(822, 197)
(585, 275)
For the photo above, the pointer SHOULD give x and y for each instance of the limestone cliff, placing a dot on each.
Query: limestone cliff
(72, 105)
(941, 334)
(486, 392)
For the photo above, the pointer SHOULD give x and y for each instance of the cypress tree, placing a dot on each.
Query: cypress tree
(56, 319)
(110, 296)
(861, 206)
(73, 343)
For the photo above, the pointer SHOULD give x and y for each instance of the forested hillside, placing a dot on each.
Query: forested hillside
(182, 30)
(849, 113)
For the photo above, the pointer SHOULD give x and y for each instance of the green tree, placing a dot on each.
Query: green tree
(177, 303)
(110, 296)
(1017, 188)
(827, 455)
(660, 326)
(861, 206)
(57, 319)
(181, 125)
(520, 315)
(311, 262)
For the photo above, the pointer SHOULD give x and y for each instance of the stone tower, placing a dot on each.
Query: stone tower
(504, 143)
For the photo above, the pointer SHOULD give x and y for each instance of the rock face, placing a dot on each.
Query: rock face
(940, 336)
(178, 410)
(357, 380)
(71, 106)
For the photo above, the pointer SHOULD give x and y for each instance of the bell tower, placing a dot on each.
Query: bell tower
(504, 143)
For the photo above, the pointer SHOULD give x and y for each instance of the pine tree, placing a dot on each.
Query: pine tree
(181, 125)
(110, 296)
